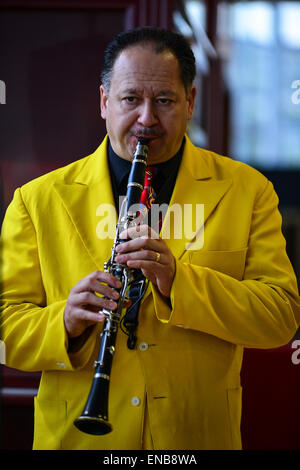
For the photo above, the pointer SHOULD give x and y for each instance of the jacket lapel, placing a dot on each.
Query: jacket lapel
(88, 201)
(196, 184)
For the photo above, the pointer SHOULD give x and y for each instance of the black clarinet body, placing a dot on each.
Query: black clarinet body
(94, 417)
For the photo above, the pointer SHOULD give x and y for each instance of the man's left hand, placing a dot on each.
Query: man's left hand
(146, 251)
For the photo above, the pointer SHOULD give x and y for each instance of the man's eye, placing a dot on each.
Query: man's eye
(130, 99)
(163, 101)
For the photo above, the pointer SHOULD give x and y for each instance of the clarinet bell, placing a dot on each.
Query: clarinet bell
(93, 425)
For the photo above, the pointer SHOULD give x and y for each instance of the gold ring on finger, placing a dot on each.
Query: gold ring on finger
(157, 256)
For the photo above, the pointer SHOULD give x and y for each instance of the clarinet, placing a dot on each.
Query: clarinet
(94, 417)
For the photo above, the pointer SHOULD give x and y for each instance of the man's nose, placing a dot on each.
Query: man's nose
(147, 115)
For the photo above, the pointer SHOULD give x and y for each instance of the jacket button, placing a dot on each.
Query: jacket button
(143, 346)
(135, 401)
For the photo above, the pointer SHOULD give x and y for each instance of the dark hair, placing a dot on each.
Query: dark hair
(162, 40)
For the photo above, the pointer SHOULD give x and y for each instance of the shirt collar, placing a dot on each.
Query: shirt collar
(120, 167)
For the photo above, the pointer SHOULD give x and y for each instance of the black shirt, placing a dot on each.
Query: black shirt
(164, 177)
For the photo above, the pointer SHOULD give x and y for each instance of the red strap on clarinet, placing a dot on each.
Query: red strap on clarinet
(148, 195)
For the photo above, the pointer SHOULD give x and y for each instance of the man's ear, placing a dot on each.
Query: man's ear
(103, 102)
(191, 101)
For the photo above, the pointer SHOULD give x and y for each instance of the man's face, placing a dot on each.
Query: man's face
(146, 99)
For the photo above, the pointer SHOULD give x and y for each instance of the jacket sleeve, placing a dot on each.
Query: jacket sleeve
(33, 332)
(262, 310)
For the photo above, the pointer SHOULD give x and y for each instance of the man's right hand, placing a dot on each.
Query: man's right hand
(83, 307)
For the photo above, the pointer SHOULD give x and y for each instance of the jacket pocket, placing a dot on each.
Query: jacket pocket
(231, 263)
(49, 422)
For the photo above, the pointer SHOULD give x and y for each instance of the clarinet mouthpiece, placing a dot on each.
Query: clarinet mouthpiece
(143, 140)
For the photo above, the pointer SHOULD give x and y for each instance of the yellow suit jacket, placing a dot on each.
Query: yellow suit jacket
(237, 290)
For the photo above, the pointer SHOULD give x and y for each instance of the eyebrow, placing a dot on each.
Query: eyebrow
(136, 91)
